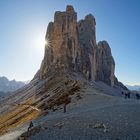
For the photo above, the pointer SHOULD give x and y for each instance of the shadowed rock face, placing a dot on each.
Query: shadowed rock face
(105, 64)
(73, 47)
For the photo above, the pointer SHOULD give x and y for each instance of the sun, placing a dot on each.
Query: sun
(41, 42)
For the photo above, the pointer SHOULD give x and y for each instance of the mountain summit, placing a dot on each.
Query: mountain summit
(72, 46)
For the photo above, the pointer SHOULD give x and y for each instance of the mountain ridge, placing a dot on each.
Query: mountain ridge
(7, 85)
(133, 87)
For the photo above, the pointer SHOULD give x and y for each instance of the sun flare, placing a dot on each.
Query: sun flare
(48, 42)
(41, 42)
(38, 42)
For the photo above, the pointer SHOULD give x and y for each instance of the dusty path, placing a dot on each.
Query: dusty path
(15, 133)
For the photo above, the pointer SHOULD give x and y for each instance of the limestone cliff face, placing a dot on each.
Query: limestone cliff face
(63, 37)
(86, 56)
(72, 46)
(105, 64)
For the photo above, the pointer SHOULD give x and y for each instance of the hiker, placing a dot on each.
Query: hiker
(137, 96)
(30, 126)
(125, 95)
(64, 108)
(128, 95)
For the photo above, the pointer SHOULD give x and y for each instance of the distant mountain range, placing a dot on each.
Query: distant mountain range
(135, 87)
(7, 86)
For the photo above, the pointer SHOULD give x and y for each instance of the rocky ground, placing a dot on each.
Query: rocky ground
(94, 117)
(95, 112)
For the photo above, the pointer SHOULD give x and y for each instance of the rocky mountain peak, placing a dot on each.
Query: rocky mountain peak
(73, 47)
(105, 63)
(90, 18)
(70, 9)
(9, 86)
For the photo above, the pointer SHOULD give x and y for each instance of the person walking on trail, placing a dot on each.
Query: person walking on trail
(30, 126)
(64, 108)
(128, 95)
(125, 95)
(137, 96)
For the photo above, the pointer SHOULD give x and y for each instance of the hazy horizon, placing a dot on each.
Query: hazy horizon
(24, 23)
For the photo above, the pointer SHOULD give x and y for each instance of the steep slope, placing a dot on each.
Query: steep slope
(42, 97)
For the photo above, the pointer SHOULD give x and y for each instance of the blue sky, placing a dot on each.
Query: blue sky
(23, 24)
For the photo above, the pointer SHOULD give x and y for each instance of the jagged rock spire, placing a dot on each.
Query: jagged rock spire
(73, 47)
(70, 9)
